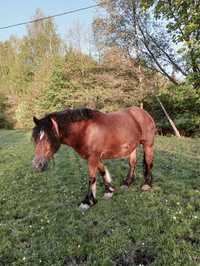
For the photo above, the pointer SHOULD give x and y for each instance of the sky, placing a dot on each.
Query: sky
(13, 11)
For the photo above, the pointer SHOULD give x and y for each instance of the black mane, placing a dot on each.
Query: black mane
(74, 115)
(62, 118)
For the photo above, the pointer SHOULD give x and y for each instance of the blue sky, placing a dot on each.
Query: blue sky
(13, 11)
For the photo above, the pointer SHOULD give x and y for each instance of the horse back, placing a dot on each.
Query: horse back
(112, 135)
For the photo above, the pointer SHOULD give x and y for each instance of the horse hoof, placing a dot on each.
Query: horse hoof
(124, 187)
(145, 188)
(108, 195)
(84, 207)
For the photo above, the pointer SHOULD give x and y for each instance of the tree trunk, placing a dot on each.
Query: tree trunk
(177, 134)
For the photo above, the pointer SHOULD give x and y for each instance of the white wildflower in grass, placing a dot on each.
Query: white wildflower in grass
(79, 246)
(174, 217)
(24, 258)
(179, 212)
(195, 217)
(40, 261)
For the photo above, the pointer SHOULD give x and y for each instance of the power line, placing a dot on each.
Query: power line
(52, 16)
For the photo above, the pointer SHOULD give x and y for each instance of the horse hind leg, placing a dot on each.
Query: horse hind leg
(148, 165)
(109, 189)
(131, 173)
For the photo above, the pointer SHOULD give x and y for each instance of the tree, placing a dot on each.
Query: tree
(99, 38)
(79, 38)
(41, 41)
(183, 20)
(138, 27)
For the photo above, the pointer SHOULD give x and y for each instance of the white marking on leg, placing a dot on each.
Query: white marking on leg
(94, 189)
(107, 176)
(111, 189)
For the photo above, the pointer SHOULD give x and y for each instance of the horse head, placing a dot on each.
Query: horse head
(47, 141)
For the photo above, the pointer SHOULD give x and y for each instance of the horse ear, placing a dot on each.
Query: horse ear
(36, 121)
(55, 126)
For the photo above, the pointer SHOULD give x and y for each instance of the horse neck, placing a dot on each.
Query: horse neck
(75, 133)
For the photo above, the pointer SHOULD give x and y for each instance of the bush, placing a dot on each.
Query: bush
(183, 105)
(4, 123)
(23, 115)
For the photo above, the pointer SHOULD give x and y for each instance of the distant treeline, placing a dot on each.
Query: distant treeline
(41, 73)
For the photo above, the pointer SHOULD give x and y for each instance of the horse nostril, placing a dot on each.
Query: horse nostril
(43, 166)
(40, 164)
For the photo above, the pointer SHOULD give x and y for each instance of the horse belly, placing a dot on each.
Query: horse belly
(108, 147)
(118, 150)
(115, 138)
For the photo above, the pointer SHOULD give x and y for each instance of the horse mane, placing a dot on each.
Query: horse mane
(74, 115)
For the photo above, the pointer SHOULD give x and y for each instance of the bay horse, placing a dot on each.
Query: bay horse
(97, 136)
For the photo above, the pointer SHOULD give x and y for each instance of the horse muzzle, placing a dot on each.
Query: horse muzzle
(40, 164)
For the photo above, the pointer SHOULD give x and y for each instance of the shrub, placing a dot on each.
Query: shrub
(4, 123)
(183, 105)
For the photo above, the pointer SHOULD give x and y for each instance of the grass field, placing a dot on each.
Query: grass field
(40, 223)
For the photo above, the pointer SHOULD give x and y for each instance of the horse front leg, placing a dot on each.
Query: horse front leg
(109, 189)
(90, 198)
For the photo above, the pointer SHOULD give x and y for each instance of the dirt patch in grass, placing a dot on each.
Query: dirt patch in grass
(140, 256)
(75, 260)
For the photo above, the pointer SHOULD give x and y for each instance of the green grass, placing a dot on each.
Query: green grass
(40, 223)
